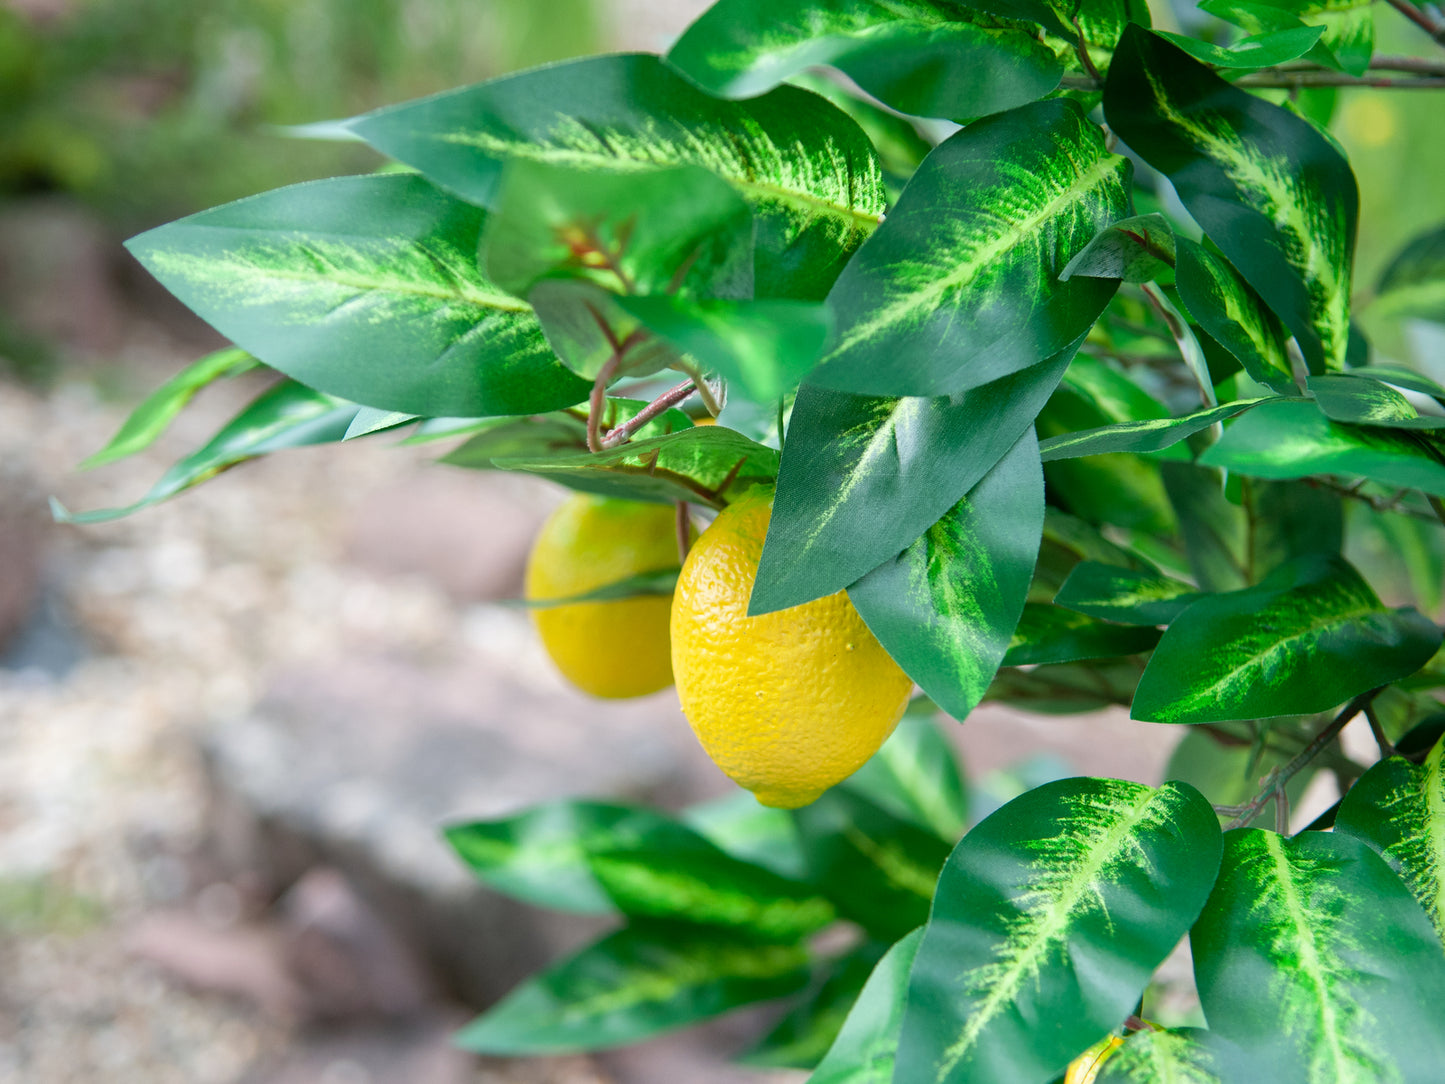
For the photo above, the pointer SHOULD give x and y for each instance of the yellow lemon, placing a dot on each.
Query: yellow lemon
(610, 649)
(1085, 1068)
(787, 703)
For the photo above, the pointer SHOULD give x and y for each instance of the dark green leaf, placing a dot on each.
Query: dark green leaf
(916, 775)
(862, 478)
(1149, 435)
(289, 415)
(1138, 249)
(1267, 187)
(1306, 947)
(590, 856)
(1051, 634)
(927, 58)
(1399, 809)
(1357, 399)
(1292, 439)
(1414, 283)
(763, 348)
(746, 829)
(1253, 52)
(1307, 638)
(638, 982)
(1185, 1056)
(149, 420)
(1067, 689)
(1234, 315)
(866, 1046)
(706, 464)
(1122, 595)
(877, 868)
(1010, 983)
(803, 166)
(960, 285)
(1402, 377)
(946, 607)
(367, 288)
(1216, 532)
(801, 1038)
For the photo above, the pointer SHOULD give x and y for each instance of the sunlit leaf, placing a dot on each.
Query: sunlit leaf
(1149, 435)
(1359, 400)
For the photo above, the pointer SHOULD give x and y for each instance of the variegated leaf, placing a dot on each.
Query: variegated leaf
(802, 165)
(1414, 282)
(1051, 634)
(1185, 1056)
(864, 1051)
(946, 607)
(1148, 435)
(1345, 28)
(916, 775)
(1399, 809)
(1313, 957)
(862, 478)
(1357, 399)
(961, 285)
(930, 58)
(1256, 51)
(1306, 638)
(1269, 189)
(745, 828)
(1236, 316)
(1123, 595)
(367, 288)
(1138, 249)
(1007, 987)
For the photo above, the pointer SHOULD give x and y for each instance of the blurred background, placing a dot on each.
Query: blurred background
(230, 726)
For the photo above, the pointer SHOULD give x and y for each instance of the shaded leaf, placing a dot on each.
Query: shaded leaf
(1008, 984)
(916, 775)
(1414, 282)
(1307, 638)
(1234, 315)
(1052, 634)
(1067, 689)
(1138, 249)
(801, 1038)
(1122, 595)
(865, 1048)
(558, 434)
(1357, 399)
(1253, 52)
(1148, 435)
(746, 829)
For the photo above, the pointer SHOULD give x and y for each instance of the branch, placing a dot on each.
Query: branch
(1431, 26)
(595, 403)
(684, 532)
(1421, 74)
(666, 401)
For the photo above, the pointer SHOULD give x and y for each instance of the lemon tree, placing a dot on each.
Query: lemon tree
(1056, 360)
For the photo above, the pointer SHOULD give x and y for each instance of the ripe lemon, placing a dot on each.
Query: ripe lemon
(611, 649)
(787, 703)
(1085, 1068)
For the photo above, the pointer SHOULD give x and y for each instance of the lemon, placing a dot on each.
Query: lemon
(611, 649)
(786, 703)
(1085, 1068)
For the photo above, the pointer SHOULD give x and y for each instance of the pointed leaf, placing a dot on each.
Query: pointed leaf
(593, 857)
(367, 288)
(1399, 809)
(1253, 52)
(1069, 688)
(946, 607)
(1229, 309)
(1307, 638)
(559, 434)
(928, 58)
(1149, 435)
(1402, 377)
(916, 775)
(1414, 282)
(763, 348)
(1358, 400)
(862, 478)
(706, 464)
(149, 420)
(370, 420)
(1009, 984)
(1292, 439)
(867, 1044)
(1138, 249)
(1051, 634)
(1126, 596)
(960, 286)
(1298, 971)
(802, 165)
(288, 415)
(1185, 1056)
(1267, 187)
(639, 982)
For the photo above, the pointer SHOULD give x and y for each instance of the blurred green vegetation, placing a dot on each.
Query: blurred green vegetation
(147, 109)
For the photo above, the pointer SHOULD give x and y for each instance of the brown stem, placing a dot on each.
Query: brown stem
(597, 400)
(666, 401)
(1435, 29)
(684, 531)
(1387, 747)
(1422, 75)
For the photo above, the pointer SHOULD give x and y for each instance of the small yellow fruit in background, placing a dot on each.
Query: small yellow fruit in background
(786, 703)
(1085, 1068)
(610, 649)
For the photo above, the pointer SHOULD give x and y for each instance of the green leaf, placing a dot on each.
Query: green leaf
(559, 434)
(945, 608)
(1234, 315)
(1138, 249)
(805, 168)
(877, 868)
(367, 288)
(1051, 634)
(660, 582)
(763, 348)
(706, 464)
(1122, 595)
(1067, 689)
(1295, 967)
(1402, 377)
(1183, 1056)
(899, 145)
(1414, 282)
(639, 982)
(1359, 400)
(1010, 983)
(923, 57)
(1292, 439)
(1399, 809)
(746, 829)
(594, 857)
(801, 1038)
(916, 775)
(1148, 435)
(865, 1048)
(960, 286)
(1253, 52)
(1306, 638)
(288, 415)
(862, 478)
(149, 420)
(370, 420)
(1268, 187)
